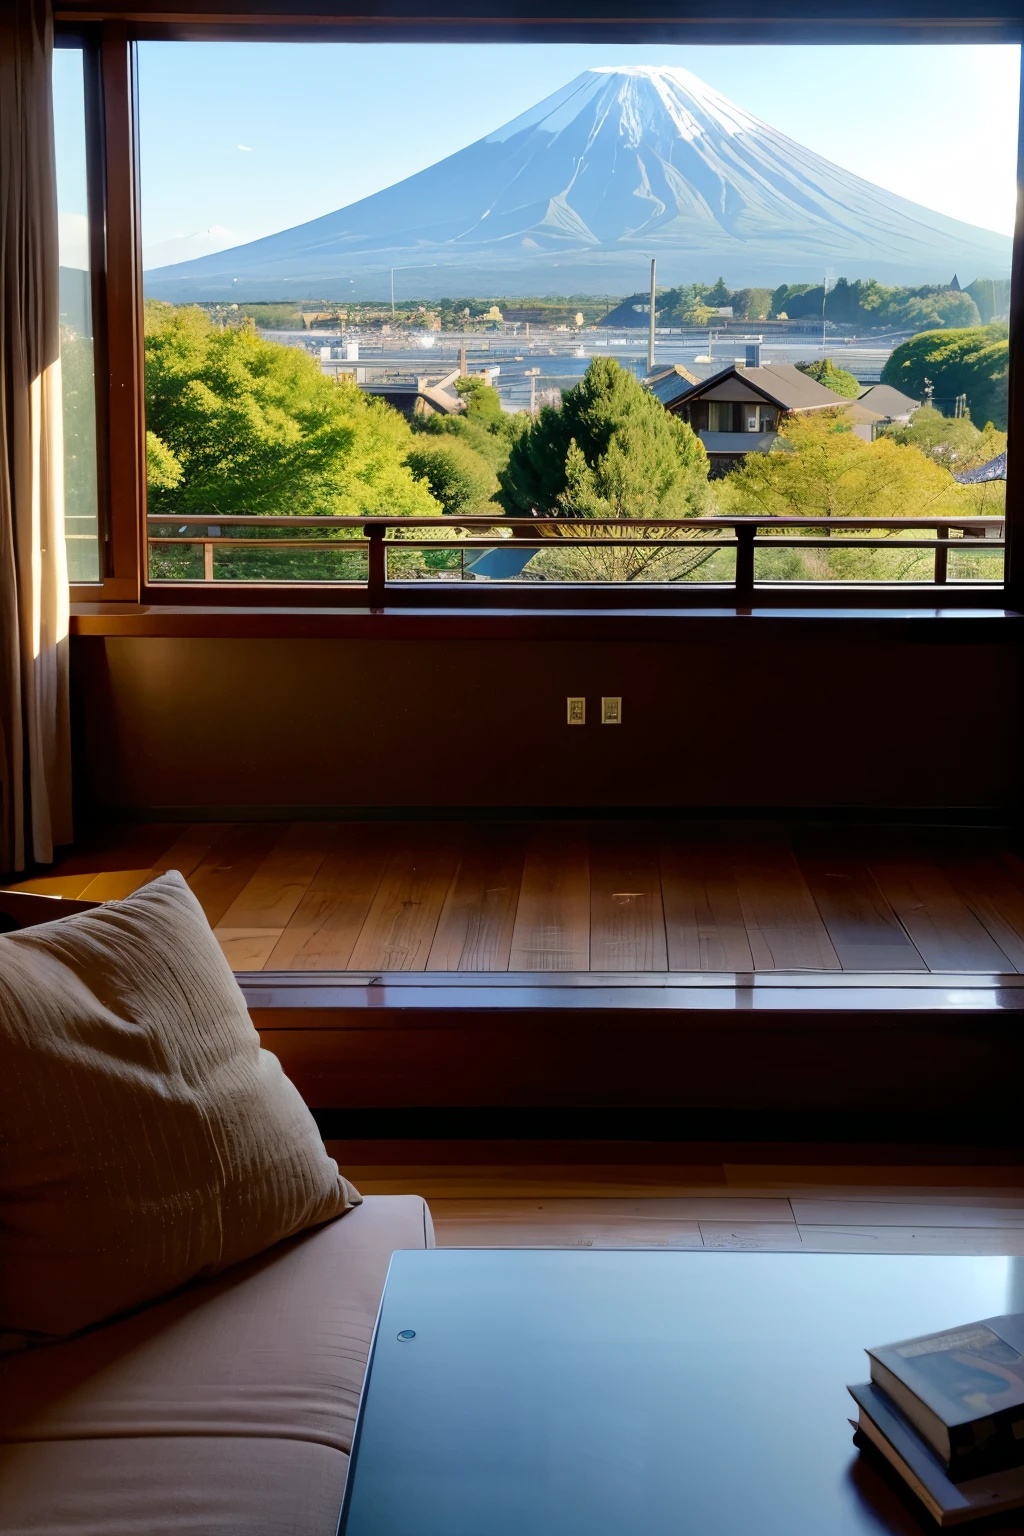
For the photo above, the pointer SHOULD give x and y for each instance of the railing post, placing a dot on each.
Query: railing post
(941, 556)
(745, 533)
(377, 565)
(207, 560)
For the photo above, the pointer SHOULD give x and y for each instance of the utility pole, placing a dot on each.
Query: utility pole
(392, 293)
(650, 333)
(531, 374)
(824, 296)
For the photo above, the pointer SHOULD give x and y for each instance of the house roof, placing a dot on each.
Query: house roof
(861, 411)
(780, 384)
(887, 401)
(667, 382)
(995, 469)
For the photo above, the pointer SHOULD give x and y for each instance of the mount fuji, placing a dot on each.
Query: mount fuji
(575, 194)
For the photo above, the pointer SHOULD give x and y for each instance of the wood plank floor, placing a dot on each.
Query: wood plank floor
(605, 896)
(631, 1196)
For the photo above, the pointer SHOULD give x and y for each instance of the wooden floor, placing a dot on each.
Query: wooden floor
(609, 897)
(604, 896)
(639, 1196)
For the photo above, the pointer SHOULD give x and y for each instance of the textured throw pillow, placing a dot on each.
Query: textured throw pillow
(145, 1138)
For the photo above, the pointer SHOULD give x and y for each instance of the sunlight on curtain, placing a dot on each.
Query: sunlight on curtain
(35, 751)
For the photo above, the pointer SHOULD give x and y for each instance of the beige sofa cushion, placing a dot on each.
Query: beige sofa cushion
(220, 1486)
(145, 1138)
(229, 1407)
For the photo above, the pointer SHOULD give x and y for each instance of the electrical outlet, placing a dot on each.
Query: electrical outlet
(576, 711)
(611, 711)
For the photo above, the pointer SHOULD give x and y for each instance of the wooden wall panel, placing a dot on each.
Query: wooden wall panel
(727, 720)
(700, 1062)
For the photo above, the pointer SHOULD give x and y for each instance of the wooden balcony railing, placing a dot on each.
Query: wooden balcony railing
(379, 538)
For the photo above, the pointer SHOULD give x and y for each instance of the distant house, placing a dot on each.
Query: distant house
(738, 411)
(888, 403)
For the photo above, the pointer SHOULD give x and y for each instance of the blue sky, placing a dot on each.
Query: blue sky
(242, 139)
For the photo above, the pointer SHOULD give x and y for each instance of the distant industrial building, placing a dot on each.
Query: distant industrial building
(399, 382)
(424, 395)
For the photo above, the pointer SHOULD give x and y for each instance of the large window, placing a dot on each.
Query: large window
(78, 373)
(632, 316)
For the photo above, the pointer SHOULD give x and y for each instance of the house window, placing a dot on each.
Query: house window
(441, 319)
(78, 370)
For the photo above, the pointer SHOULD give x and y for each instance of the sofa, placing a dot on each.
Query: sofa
(228, 1408)
(223, 1408)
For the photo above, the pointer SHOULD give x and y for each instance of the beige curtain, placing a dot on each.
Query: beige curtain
(35, 749)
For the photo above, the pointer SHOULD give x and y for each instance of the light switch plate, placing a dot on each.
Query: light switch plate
(576, 711)
(611, 711)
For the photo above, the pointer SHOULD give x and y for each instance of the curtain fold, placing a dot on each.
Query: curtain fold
(35, 737)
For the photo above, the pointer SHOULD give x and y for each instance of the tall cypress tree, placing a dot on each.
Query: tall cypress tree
(612, 450)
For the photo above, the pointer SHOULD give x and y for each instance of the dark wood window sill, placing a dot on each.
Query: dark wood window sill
(138, 620)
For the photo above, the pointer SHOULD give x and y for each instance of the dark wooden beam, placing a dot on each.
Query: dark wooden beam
(704, 21)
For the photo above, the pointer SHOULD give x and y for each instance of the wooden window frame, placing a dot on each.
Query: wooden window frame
(115, 261)
(113, 29)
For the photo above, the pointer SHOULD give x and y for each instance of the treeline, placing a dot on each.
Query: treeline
(866, 304)
(870, 304)
(455, 314)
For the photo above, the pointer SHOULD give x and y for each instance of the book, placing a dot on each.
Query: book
(963, 1391)
(884, 1428)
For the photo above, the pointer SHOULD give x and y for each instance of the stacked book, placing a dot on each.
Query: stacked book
(947, 1411)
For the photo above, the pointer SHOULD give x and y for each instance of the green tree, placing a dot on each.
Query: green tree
(458, 477)
(718, 295)
(992, 296)
(686, 305)
(241, 425)
(163, 472)
(826, 373)
(611, 451)
(971, 362)
(700, 314)
(483, 403)
(483, 427)
(663, 467)
(783, 296)
(954, 442)
(935, 310)
(255, 427)
(751, 303)
(824, 469)
(870, 303)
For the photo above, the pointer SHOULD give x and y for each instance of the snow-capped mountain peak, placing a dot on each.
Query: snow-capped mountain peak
(576, 193)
